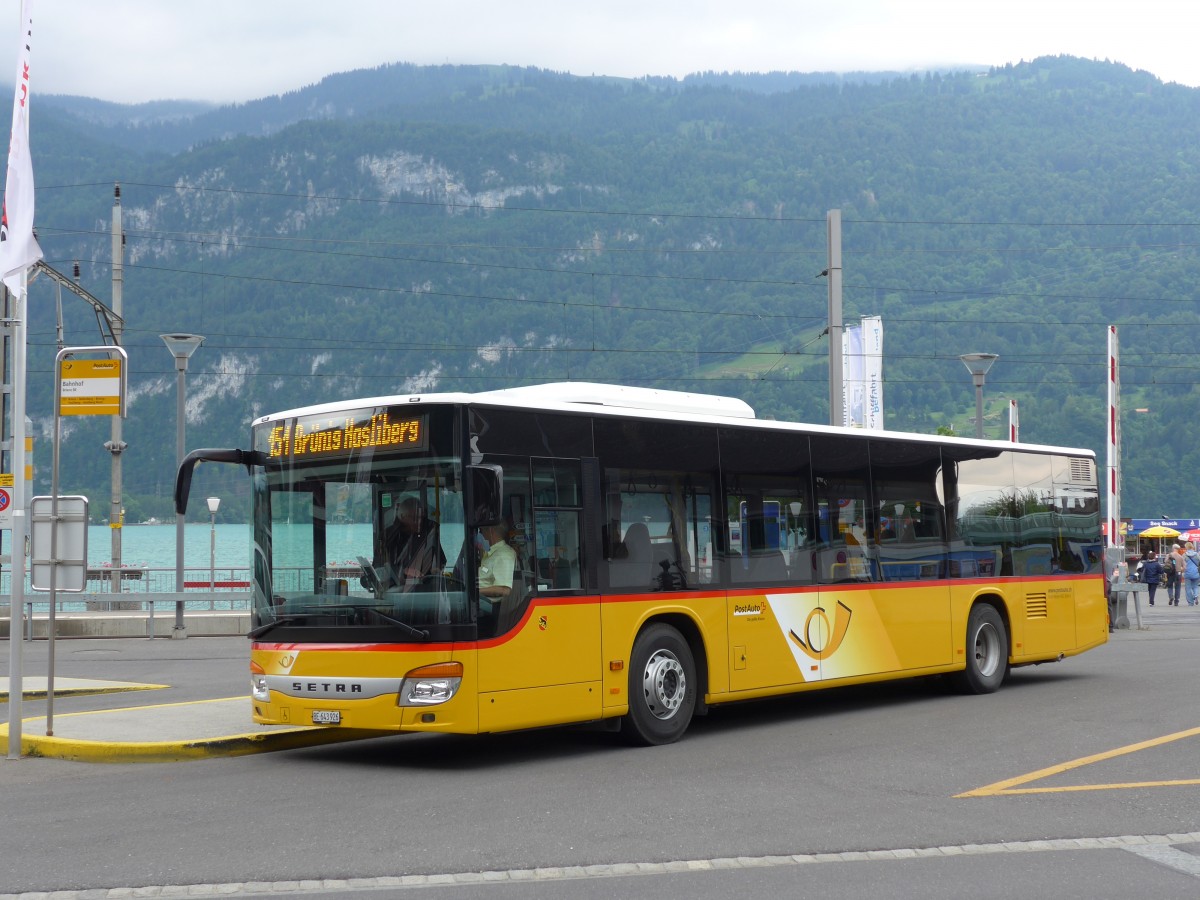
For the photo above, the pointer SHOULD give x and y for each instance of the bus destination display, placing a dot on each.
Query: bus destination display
(321, 436)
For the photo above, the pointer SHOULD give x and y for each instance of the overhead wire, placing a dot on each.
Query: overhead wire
(304, 246)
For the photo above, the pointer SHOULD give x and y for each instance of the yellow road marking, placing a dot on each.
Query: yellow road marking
(1012, 785)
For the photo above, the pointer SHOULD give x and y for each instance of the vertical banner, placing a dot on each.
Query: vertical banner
(853, 398)
(872, 368)
(1014, 424)
(18, 247)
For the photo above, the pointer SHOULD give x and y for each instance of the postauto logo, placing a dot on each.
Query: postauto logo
(818, 622)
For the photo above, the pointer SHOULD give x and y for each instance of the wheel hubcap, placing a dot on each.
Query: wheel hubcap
(987, 650)
(664, 684)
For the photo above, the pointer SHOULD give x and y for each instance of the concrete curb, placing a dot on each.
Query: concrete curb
(178, 751)
(36, 687)
(143, 734)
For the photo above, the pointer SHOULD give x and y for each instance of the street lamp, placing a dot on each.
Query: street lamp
(978, 364)
(214, 503)
(182, 346)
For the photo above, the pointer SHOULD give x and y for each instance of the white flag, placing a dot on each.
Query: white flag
(872, 350)
(18, 247)
(852, 377)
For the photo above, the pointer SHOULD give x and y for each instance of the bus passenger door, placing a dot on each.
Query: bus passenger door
(887, 608)
(771, 598)
(542, 664)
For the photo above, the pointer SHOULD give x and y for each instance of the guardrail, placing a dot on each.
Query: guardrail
(128, 615)
(147, 580)
(161, 580)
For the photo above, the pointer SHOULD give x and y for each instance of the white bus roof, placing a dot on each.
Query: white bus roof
(622, 397)
(580, 396)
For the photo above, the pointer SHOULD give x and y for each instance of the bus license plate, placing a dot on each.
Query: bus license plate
(327, 717)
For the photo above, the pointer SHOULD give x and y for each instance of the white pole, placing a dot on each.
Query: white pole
(214, 503)
(1115, 539)
(20, 526)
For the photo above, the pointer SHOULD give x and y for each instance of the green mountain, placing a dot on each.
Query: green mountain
(411, 228)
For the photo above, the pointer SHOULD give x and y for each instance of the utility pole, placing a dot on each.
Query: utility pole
(833, 221)
(116, 445)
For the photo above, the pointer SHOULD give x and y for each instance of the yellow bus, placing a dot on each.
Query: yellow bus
(649, 555)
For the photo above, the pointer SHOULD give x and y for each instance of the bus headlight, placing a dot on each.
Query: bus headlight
(430, 685)
(258, 683)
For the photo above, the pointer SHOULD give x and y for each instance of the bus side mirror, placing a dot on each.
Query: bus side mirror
(486, 495)
(183, 477)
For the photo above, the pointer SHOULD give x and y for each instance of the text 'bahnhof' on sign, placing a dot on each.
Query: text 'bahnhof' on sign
(90, 387)
(322, 435)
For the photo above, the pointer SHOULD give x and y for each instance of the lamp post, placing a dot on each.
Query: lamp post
(182, 346)
(978, 364)
(214, 503)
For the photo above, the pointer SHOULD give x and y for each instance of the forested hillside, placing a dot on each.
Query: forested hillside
(412, 228)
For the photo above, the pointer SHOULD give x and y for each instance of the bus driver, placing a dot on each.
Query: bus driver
(498, 563)
(412, 547)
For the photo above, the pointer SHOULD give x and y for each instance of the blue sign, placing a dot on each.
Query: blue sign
(1137, 526)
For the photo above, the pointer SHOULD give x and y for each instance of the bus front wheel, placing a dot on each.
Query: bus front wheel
(987, 651)
(662, 687)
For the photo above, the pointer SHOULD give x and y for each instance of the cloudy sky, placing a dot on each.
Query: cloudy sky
(234, 50)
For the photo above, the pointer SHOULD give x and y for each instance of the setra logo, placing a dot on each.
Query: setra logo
(837, 633)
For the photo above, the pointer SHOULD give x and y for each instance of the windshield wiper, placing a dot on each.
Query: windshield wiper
(415, 632)
(280, 620)
(267, 626)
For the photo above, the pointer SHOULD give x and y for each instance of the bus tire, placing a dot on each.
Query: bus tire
(987, 651)
(662, 687)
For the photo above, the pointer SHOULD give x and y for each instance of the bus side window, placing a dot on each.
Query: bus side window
(558, 557)
(841, 481)
(558, 525)
(664, 520)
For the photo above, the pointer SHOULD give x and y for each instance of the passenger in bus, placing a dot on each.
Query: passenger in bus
(498, 563)
(413, 549)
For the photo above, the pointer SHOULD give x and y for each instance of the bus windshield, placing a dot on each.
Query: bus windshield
(360, 529)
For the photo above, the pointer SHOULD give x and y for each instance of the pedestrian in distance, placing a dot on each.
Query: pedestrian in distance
(1191, 574)
(1151, 571)
(1174, 565)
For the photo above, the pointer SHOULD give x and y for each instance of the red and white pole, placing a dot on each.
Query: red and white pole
(1115, 538)
(1014, 425)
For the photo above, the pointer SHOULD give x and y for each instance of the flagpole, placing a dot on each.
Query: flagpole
(18, 251)
(19, 527)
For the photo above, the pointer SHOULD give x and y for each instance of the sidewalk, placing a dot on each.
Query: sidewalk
(170, 732)
(1160, 620)
(92, 723)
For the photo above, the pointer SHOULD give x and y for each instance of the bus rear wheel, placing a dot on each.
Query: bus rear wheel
(987, 651)
(662, 687)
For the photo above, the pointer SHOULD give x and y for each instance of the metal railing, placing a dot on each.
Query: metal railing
(226, 588)
(146, 580)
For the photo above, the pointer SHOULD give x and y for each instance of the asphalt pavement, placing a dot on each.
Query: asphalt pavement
(211, 723)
